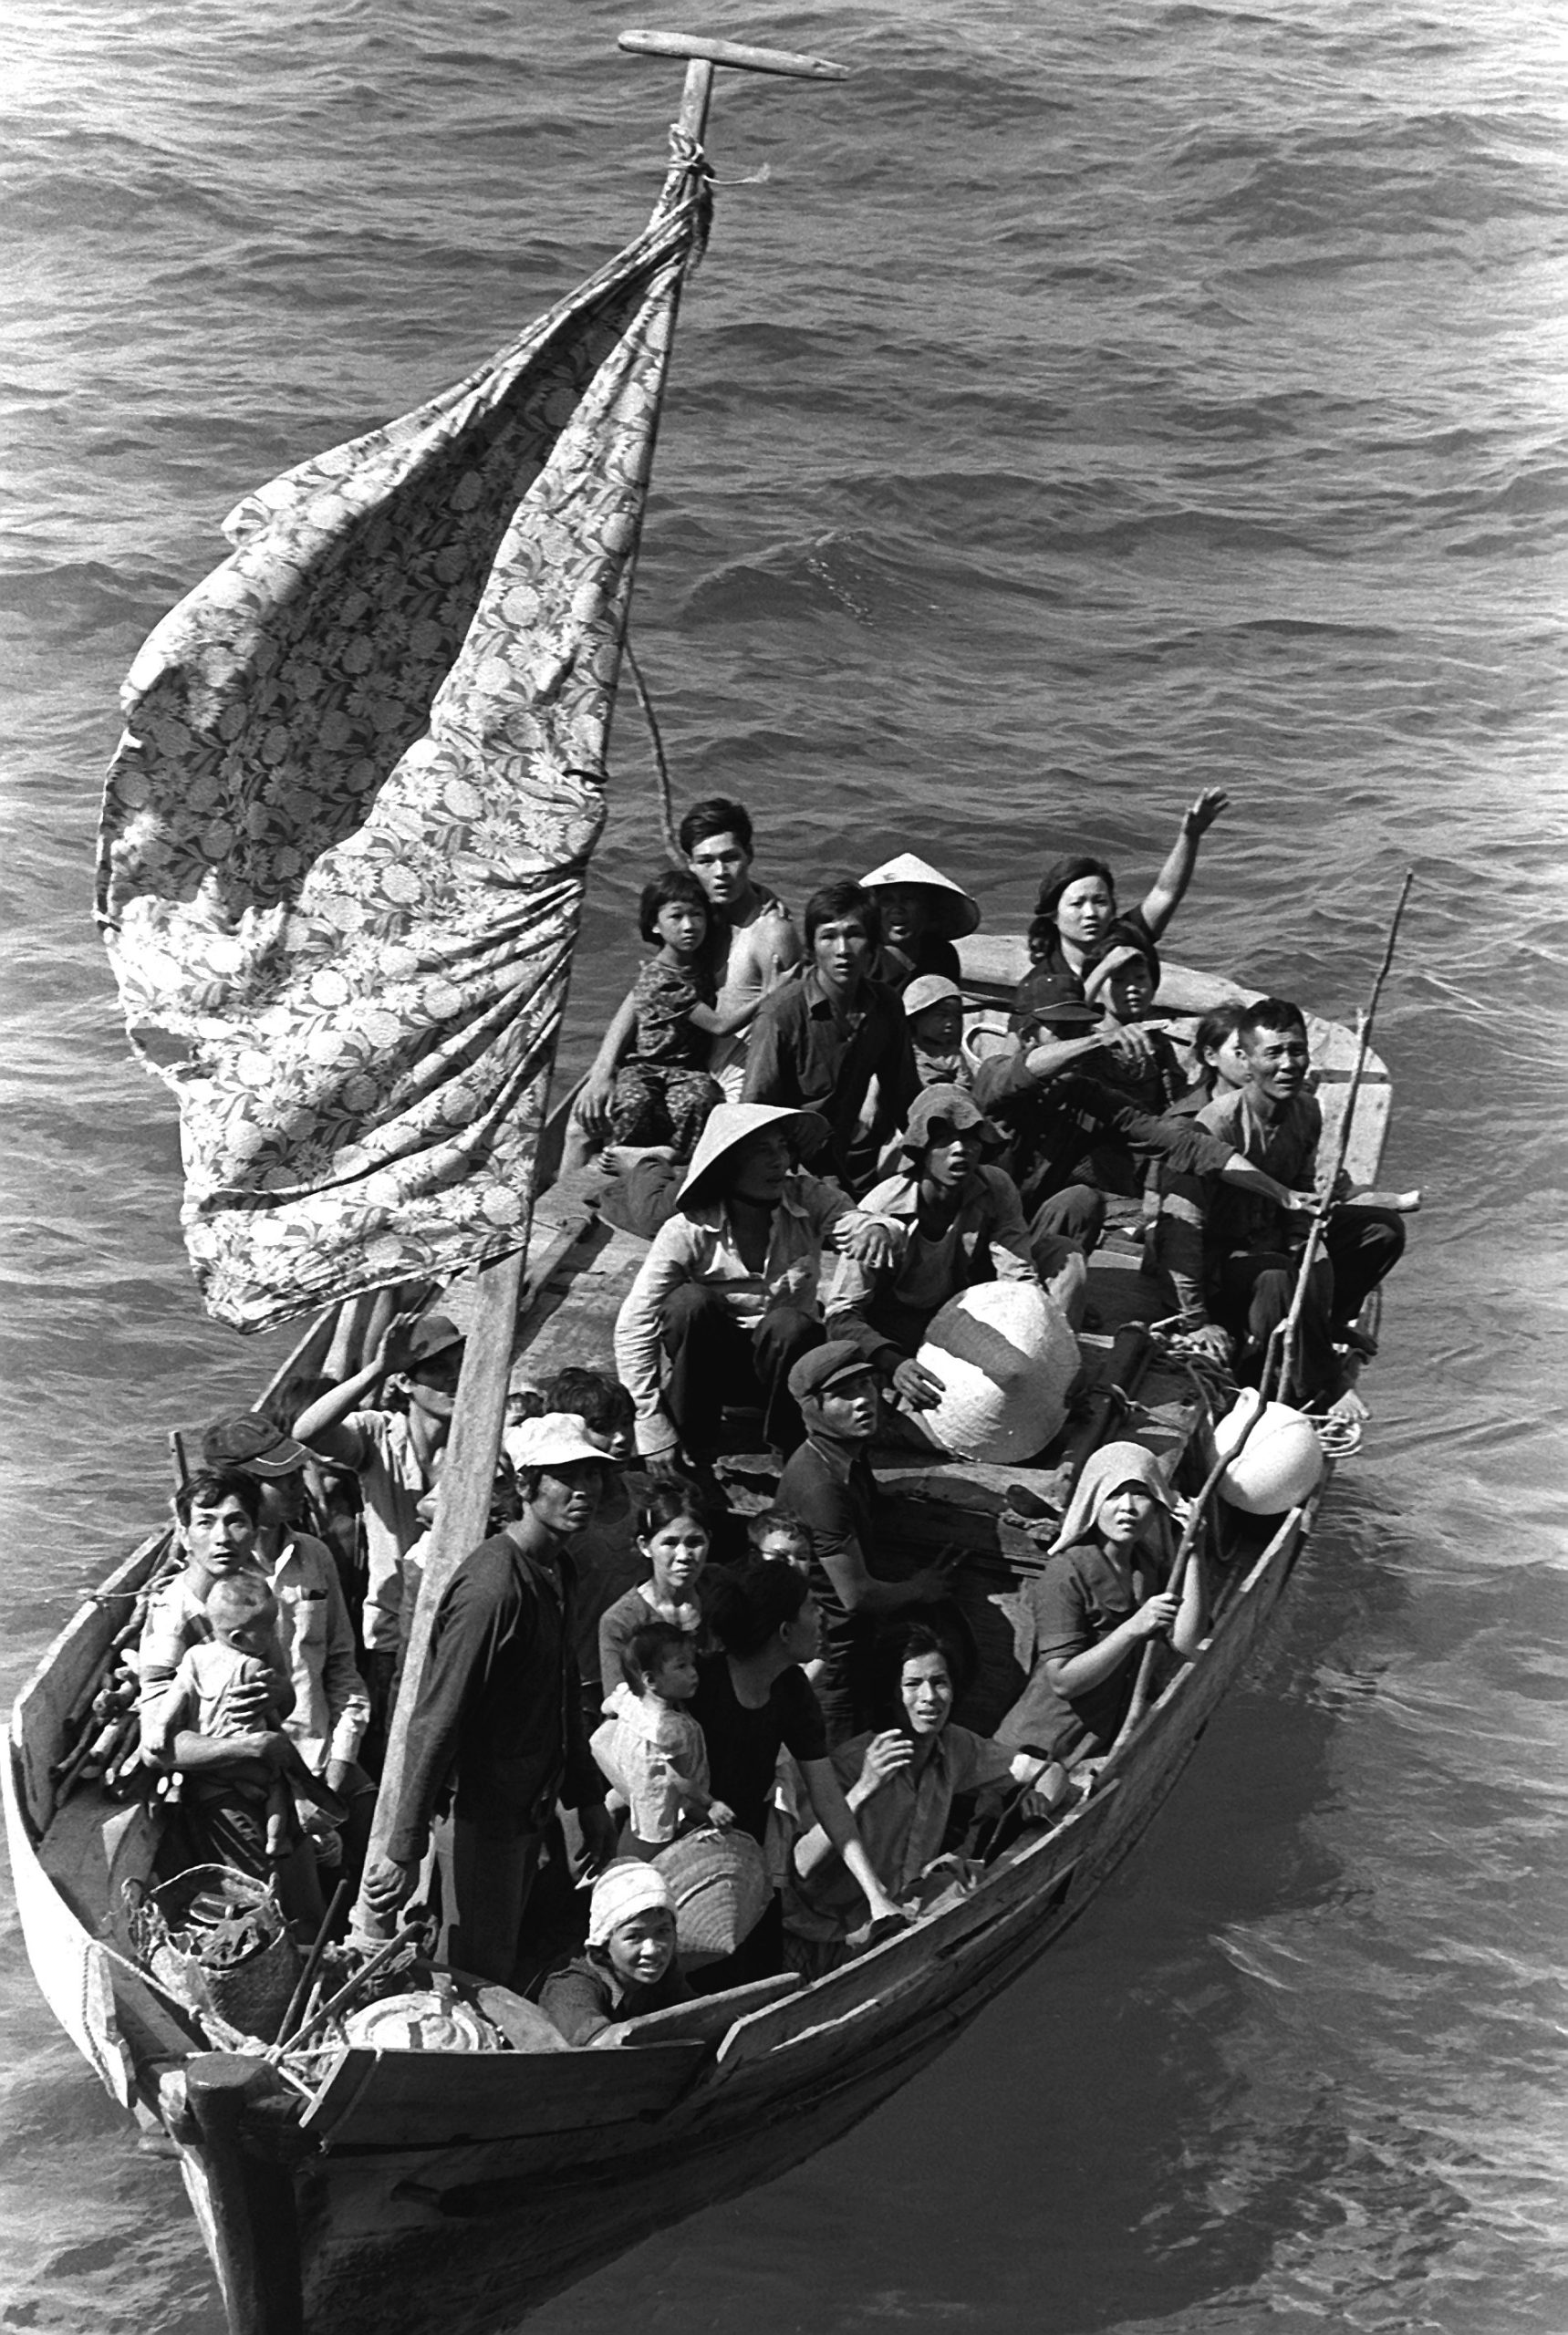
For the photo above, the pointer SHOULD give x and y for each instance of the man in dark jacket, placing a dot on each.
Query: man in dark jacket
(499, 1713)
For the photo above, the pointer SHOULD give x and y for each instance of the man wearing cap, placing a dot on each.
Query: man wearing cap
(923, 912)
(396, 1456)
(498, 1719)
(728, 1295)
(952, 1220)
(331, 1707)
(828, 1484)
(835, 1041)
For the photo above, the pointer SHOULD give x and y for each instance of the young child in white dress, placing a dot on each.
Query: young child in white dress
(652, 1750)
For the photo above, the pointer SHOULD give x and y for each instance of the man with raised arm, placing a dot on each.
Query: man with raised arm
(396, 1454)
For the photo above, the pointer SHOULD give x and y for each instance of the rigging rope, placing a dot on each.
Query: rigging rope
(666, 800)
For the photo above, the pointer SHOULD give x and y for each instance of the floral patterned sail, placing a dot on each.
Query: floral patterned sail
(344, 837)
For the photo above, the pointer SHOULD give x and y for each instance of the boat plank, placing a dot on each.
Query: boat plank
(390, 2099)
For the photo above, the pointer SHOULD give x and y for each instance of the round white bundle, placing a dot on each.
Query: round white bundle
(1007, 1355)
(1281, 1463)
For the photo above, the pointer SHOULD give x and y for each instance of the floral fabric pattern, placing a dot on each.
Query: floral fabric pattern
(344, 837)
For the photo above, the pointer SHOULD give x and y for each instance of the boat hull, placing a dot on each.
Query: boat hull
(495, 2228)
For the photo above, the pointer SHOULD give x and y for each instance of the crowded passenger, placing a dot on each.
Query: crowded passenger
(1076, 907)
(663, 1086)
(835, 1041)
(331, 1707)
(242, 1774)
(751, 946)
(215, 1515)
(395, 1452)
(222, 1819)
(1055, 1118)
(951, 1220)
(652, 1750)
(933, 1009)
(629, 1966)
(1234, 1256)
(496, 1729)
(922, 912)
(780, 1537)
(1085, 1619)
(672, 1541)
(729, 1294)
(606, 1559)
(828, 1482)
(901, 1779)
(753, 1701)
(1217, 1061)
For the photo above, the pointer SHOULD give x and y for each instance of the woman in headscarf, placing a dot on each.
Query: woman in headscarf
(1085, 1619)
(630, 1966)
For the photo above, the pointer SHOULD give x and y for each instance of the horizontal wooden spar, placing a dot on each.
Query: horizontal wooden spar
(738, 54)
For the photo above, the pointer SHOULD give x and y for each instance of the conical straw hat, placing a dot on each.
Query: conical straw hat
(953, 912)
(730, 1124)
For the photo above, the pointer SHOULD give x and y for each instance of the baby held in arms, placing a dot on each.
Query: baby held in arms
(244, 1652)
(653, 1750)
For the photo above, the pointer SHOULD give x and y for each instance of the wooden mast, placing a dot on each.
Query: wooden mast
(468, 1475)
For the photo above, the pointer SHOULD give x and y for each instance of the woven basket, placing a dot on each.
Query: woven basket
(251, 1994)
(721, 1888)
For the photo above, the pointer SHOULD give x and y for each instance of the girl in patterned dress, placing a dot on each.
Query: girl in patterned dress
(663, 1092)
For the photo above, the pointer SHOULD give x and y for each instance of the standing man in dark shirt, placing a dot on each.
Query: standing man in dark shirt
(500, 1712)
(835, 1041)
(828, 1484)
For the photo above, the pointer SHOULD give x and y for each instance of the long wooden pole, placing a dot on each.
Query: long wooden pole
(468, 1475)
(1290, 1329)
(463, 1512)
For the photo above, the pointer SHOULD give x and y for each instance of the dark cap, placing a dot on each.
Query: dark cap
(826, 1366)
(431, 1334)
(946, 1107)
(253, 1443)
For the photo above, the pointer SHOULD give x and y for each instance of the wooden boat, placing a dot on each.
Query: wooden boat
(369, 2189)
(490, 2182)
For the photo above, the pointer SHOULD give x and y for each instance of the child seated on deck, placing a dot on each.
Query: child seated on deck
(933, 1008)
(653, 1750)
(244, 1652)
(663, 1089)
(629, 1967)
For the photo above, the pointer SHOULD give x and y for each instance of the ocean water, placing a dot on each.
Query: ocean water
(1080, 407)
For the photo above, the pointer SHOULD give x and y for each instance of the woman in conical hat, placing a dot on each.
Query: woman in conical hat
(1086, 1618)
(728, 1298)
(923, 913)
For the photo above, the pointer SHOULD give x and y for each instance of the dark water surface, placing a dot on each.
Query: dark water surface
(1094, 402)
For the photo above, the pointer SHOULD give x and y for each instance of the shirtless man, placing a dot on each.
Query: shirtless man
(751, 925)
(754, 945)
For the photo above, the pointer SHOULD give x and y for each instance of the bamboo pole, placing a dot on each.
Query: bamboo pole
(1290, 1330)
